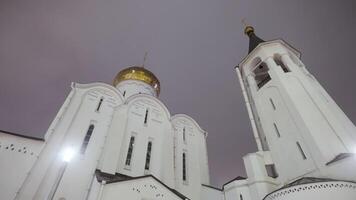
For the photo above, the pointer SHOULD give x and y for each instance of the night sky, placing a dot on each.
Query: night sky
(193, 47)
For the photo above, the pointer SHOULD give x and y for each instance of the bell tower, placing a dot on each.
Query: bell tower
(292, 115)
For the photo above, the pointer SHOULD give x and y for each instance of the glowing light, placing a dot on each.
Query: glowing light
(68, 154)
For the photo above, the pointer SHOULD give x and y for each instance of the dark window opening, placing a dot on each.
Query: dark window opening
(184, 167)
(301, 151)
(86, 139)
(129, 152)
(184, 134)
(99, 104)
(261, 75)
(241, 198)
(148, 155)
(279, 62)
(146, 116)
(271, 171)
(276, 130)
(123, 94)
(272, 103)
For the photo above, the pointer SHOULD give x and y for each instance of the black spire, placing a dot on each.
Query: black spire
(254, 39)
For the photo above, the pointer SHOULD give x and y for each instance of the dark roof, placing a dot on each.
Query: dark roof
(212, 187)
(20, 135)
(254, 39)
(117, 177)
(235, 179)
(340, 157)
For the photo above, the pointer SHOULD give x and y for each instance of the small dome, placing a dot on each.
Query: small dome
(138, 74)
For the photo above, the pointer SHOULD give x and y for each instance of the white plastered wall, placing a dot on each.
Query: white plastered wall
(193, 144)
(68, 131)
(17, 156)
(138, 189)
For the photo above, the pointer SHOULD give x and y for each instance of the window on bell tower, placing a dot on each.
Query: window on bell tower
(261, 75)
(279, 62)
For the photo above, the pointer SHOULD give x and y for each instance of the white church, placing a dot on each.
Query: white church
(120, 142)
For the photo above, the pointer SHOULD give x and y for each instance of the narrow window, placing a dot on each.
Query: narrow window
(184, 167)
(272, 103)
(99, 104)
(301, 151)
(241, 198)
(129, 152)
(276, 129)
(148, 155)
(146, 116)
(261, 75)
(271, 171)
(86, 139)
(123, 94)
(278, 61)
(184, 134)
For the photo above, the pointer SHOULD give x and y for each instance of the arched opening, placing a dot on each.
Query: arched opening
(278, 60)
(261, 75)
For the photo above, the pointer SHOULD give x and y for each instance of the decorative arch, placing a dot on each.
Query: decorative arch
(190, 119)
(134, 98)
(103, 86)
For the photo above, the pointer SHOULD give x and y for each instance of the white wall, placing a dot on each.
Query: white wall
(138, 189)
(208, 193)
(196, 156)
(158, 130)
(68, 131)
(132, 87)
(17, 156)
(237, 190)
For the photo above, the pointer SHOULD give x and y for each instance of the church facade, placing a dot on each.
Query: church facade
(120, 141)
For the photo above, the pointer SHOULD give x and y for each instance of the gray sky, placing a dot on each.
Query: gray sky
(193, 47)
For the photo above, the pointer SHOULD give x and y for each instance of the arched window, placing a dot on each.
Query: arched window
(279, 62)
(184, 156)
(241, 198)
(148, 155)
(129, 151)
(261, 75)
(87, 138)
(146, 117)
(184, 138)
(99, 104)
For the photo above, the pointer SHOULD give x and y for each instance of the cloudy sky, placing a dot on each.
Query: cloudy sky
(193, 47)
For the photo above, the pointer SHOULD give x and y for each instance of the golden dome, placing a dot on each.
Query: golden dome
(138, 74)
